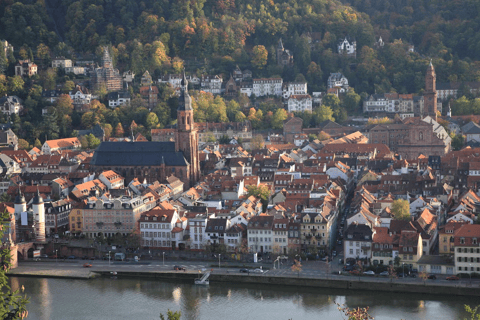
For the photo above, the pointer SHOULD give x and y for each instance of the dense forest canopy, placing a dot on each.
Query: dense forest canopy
(213, 36)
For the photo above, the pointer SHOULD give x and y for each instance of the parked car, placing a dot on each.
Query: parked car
(334, 253)
(72, 257)
(348, 268)
(453, 278)
(87, 265)
(258, 270)
(370, 272)
(243, 270)
(384, 273)
(44, 256)
(432, 277)
(355, 272)
(179, 268)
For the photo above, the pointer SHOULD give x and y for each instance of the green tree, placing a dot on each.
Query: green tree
(3, 59)
(351, 100)
(23, 144)
(259, 56)
(240, 116)
(37, 144)
(278, 117)
(15, 85)
(151, 121)
(262, 192)
(401, 209)
(323, 113)
(93, 142)
(473, 312)
(12, 304)
(171, 315)
(458, 141)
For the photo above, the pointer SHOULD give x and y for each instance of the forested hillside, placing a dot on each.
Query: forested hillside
(213, 36)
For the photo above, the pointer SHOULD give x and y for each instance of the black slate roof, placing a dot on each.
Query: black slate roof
(137, 154)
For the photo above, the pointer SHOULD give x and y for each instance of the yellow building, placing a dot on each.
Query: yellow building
(445, 236)
(76, 220)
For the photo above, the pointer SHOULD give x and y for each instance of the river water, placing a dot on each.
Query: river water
(106, 298)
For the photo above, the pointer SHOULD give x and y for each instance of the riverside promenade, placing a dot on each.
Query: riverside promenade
(231, 274)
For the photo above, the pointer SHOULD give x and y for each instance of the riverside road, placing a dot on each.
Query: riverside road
(309, 269)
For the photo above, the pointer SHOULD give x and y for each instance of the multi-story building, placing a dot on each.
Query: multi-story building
(467, 249)
(259, 234)
(280, 236)
(115, 216)
(267, 87)
(212, 84)
(51, 146)
(384, 246)
(413, 137)
(300, 103)
(446, 236)
(57, 216)
(358, 242)
(215, 232)
(291, 88)
(348, 47)
(197, 226)
(112, 180)
(25, 68)
(234, 237)
(162, 228)
(390, 103)
(318, 226)
(337, 80)
(10, 105)
(116, 99)
(61, 62)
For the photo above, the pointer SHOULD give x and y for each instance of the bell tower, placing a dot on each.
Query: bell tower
(186, 139)
(430, 93)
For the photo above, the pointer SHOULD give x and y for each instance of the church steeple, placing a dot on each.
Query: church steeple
(186, 139)
(430, 93)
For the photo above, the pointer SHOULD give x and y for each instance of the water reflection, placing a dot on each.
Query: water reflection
(146, 299)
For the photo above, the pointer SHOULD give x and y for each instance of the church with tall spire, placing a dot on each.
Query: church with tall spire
(430, 93)
(156, 160)
(186, 139)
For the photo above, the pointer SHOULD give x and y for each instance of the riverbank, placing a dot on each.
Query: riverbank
(333, 282)
(350, 283)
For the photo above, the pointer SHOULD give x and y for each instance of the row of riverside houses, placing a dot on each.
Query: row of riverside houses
(181, 196)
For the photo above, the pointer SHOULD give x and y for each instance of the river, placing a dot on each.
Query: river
(106, 298)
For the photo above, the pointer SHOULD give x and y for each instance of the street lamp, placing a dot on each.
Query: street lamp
(109, 257)
(163, 254)
(403, 268)
(56, 256)
(219, 255)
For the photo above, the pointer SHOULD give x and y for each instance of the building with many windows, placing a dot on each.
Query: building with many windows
(162, 228)
(115, 216)
(267, 87)
(358, 241)
(467, 249)
(259, 234)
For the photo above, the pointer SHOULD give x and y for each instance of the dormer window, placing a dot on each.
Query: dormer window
(462, 240)
(474, 240)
